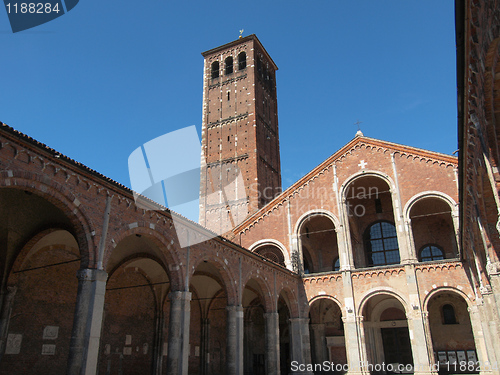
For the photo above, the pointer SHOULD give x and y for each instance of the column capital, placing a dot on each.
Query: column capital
(234, 308)
(91, 274)
(299, 320)
(179, 295)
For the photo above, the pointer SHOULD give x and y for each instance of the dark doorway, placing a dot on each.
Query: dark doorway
(397, 347)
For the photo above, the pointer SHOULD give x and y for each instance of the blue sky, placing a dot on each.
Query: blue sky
(107, 77)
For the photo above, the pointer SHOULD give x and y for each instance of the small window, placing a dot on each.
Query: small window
(228, 96)
(336, 264)
(431, 252)
(449, 314)
(378, 206)
(215, 69)
(229, 65)
(242, 61)
(307, 269)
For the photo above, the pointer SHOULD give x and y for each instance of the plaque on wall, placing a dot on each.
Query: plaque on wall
(452, 357)
(128, 339)
(48, 349)
(461, 356)
(127, 350)
(165, 348)
(13, 343)
(50, 332)
(442, 358)
(471, 356)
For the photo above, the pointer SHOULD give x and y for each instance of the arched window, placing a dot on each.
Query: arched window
(242, 61)
(336, 264)
(229, 65)
(215, 69)
(449, 314)
(381, 244)
(430, 252)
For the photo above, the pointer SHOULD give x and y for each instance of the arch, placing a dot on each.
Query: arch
(63, 199)
(325, 296)
(378, 291)
(265, 290)
(168, 258)
(366, 173)
(442, 289)
(290, 299)
(389, 253)
(270, 241)
(303, 218)
(429, 194)
(228, 280)
(432, 247)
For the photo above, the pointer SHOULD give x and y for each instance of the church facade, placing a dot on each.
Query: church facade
(367, 264)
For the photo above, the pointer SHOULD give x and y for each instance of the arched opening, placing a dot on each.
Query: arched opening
(368, 206)
(229, 65)
(254, 344)
(39, 257)
(451, 329)
(387, 337)
(215, 69)
(432, 223)
(318, 241)
(271, 252)
(242, 61)
(327, 332)
(208, 326)
(134, 325)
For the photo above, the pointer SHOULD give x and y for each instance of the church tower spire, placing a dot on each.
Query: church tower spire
(239, 129)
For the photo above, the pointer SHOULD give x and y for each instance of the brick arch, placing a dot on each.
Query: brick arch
(382, 290)
(269, 241)
(265, 289)
(366, 173)
(63, 199)
(307, 307)
(291, 301)
(446, 289)
(24, 254)
(429, 194)
(228, 278)
(302, 219)
(168, 259)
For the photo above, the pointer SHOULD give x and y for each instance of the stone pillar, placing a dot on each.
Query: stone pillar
(419, 344)
(234, 348)
(86, 333)
(7, 299)
(272, 343)
(354, 345)
(484, 347)
(205, 347)
(300, 344)
(318, 354)
(178, 333)
(248, 352)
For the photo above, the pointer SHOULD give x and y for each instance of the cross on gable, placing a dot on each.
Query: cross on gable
(362, 164)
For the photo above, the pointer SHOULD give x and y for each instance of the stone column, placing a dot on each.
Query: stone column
(248, 352)
(319, 343)
(354, 345)
(234, 348)
(272, 343)
(300, 343)
(7, 299)
(419, 344)
(178, 333)
(205, 347)
(484, 347)
(86, 333)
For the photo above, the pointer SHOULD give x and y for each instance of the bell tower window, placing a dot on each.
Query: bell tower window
(242, 61)
(229, 65)
(215, 69)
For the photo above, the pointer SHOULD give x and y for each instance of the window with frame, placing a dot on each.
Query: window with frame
(229, 65)
(215, 69)
(430, 252)
(381, 244)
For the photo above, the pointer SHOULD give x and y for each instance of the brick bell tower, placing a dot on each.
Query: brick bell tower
(239, 133)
